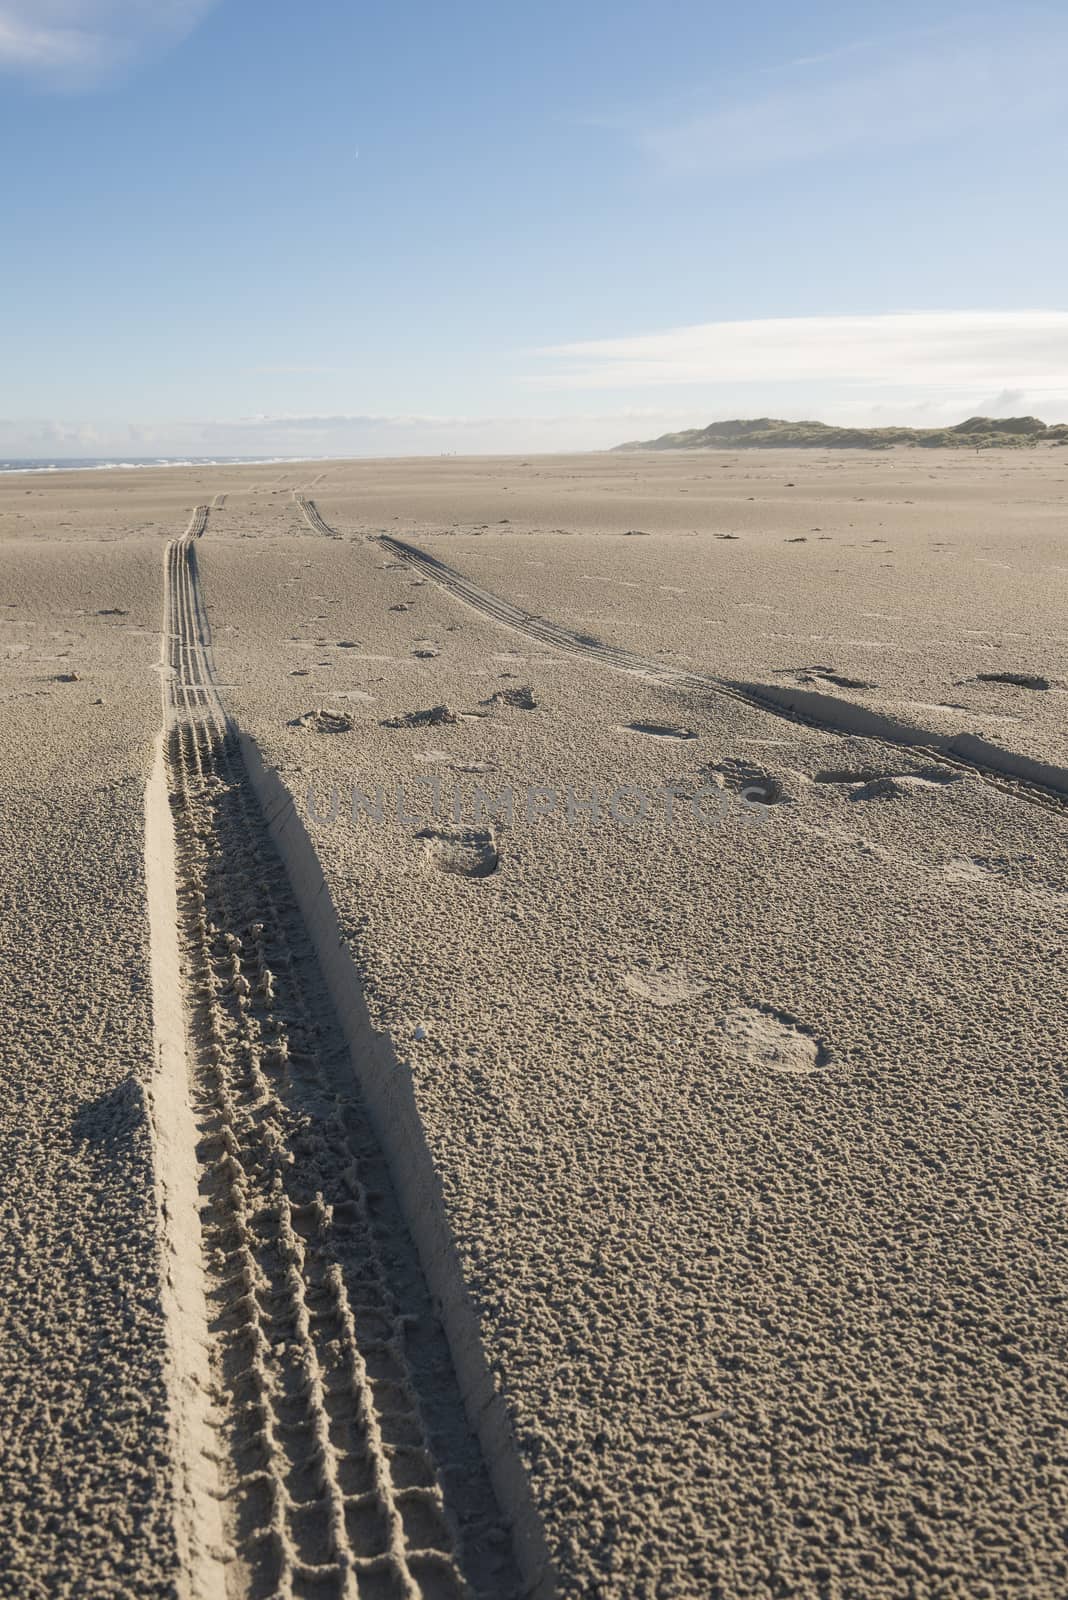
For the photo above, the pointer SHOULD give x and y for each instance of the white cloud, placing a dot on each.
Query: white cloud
(294, 369)
(918, 352)
(929, 88)
(77, 43)
(926, 368)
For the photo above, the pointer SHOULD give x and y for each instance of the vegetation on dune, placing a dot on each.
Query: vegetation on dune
(763, 433)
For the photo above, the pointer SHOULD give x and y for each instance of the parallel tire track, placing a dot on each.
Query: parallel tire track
(1049, 796)
(312, 516)
(347, 1464)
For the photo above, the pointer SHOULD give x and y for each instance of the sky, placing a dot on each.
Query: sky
(245, 227)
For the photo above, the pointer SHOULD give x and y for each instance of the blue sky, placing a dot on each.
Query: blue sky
(350, 228)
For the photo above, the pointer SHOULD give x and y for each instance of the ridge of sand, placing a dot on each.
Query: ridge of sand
(198, 1521)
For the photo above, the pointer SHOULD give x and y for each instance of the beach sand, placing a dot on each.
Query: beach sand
(720, 1085)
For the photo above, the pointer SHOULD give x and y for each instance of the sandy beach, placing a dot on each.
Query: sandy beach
(533, 993)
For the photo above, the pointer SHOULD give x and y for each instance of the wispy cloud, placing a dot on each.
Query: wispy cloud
(920, 351)
(822, 57)
(295, 369)
(930, 88)
(79, 43)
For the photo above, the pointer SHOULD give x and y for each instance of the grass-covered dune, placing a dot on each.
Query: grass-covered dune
(758, 433)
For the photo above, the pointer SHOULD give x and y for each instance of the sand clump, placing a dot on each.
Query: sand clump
(520, 699)
(325, 721)
(436, 717)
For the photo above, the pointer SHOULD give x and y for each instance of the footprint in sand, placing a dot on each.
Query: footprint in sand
(865, 783)
(660, 730)
(965, 869)
(1019, 680)
(755, 784)
(775, 1041)
(1005, 867)
(1015, 874)
(663, 986)
(828, 675)
(464, 852)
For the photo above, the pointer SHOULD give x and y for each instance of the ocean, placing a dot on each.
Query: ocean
(132, 463)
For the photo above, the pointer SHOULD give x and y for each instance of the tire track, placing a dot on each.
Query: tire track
(312, 516)
(347, 1467)
(1024, 779)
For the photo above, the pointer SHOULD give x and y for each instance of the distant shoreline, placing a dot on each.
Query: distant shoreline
(137, 463)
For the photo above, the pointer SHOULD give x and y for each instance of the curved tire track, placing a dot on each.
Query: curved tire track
(1036, 782)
